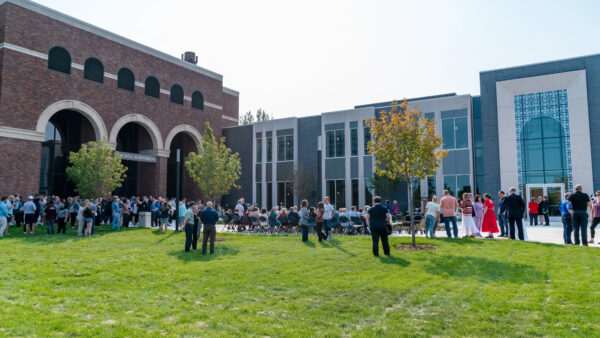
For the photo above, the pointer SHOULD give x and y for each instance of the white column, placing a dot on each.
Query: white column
(296, 201)
(263, 168)
(347, 158)
(274, 165)
(361, 164)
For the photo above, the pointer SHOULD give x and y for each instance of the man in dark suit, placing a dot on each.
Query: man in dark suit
(515, 208)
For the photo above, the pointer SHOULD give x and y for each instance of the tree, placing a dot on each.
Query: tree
(96, 169)
(214, 168)
(405, 147)
(248, 118)
(383, 185)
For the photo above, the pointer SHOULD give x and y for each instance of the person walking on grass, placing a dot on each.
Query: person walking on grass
(376, 219)
(581, 204)
(3, 216)
(449, 204)
(62, 215)
(116, 213)
(50, 212)
(87, 218)
(329, 212)
(432, 216)
(489, 224)
(188, 225)
(209, 218)
(533, 212)
(319, 221)
(29, 209)
(595, 216)
(165, 215)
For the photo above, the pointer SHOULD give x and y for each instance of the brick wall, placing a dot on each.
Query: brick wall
(20, 166)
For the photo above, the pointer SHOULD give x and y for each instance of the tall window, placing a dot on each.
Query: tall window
(269, 196)
(336, 190)
(368, 193)
(367, 131)
(258, 194)
(431, 188)
(93, 70)
(457, 184)
(455, 133)
(285, 148)
(354, 142)
(269, 149)
(197, 100)
(59, 60)
(543, 149)
(355, 192)
(152, 87)
(125, 79)
(177, 94)
(285, 194)
(258, 150)
(335, 143)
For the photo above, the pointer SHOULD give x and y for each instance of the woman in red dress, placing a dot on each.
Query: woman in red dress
(489, 217)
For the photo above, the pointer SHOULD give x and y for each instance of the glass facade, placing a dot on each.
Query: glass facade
(543, 142)
(336, 190)
(367, 138)
(285, 148)
(355, 192)
(258, 150)
(335, 143)
(285, 194)
(478, 145)
(455, 133)
(269, 149)
(368, 192)
(457, 184)
(353, 142)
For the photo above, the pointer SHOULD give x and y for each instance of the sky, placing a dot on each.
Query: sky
(300, 58)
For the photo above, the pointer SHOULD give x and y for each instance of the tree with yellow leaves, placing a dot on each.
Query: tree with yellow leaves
(405, 147)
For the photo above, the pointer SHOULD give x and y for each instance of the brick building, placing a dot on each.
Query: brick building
(64, 82)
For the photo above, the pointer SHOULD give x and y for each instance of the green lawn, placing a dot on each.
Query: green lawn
(138, 282)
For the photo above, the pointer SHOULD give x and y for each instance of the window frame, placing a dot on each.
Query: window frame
(194, 103)
(284, 148)
(174, 97)
(151, 78)
(125, 69)
(341, 132)
(68, 55)
(455, 133)
(87, 68)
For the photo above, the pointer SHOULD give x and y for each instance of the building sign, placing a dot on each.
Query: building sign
(137, 157)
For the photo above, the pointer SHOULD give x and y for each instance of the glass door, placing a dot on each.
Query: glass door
(554, 192)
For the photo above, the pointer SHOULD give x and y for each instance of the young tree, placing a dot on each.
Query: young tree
(247, 118)
(214, 168)
(383, 185)
(405, 147)
(96, 169)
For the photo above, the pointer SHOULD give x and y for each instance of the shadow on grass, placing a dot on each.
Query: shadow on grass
(459, 240)
(334, 243)
(40, 237)
(394, 260)
(483, 269)
(309, 244)
(196, 255)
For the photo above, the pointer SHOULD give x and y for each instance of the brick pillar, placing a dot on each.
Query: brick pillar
(160, 177)
(20, 166)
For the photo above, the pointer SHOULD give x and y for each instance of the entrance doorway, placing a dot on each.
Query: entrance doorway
(132, 140)
(555, 193)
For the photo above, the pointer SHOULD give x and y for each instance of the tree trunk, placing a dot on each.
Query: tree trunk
(410, 213)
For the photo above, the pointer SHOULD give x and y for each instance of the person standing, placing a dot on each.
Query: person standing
(545, 209)
(502, 219)
(116, 213)
(304, 219)
(581, 204)
(30, 216)
(466, 206)
(449, 204)
(126, 211)
(209, 218)
(515, 209)
(18, 212)
(87, 218)
(533, 212)
(328, 217)
(319, 221)
(73, 211)
(432, 216)
(62, 215)
(165, 215)
(489, 224)
(478, 212)
(3, 216)
(565, 213)
(50, 213)
(9, 205)
(181, 212)
(595, 216)
(376, 219)
(188, 225)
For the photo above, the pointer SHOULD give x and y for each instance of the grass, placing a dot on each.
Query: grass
(138, 282)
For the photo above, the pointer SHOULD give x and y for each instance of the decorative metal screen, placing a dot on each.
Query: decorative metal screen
(59, 60)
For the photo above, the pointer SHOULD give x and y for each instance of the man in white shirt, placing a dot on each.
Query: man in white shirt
(239, 208)
(328, 216)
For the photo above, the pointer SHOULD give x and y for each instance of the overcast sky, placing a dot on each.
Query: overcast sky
(299, 58)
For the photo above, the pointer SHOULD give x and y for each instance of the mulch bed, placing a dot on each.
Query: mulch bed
(218, 239)
(419, 247)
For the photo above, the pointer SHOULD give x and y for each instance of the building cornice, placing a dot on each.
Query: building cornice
(22, 134)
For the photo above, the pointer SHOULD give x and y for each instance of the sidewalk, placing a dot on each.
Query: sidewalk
(543, 234)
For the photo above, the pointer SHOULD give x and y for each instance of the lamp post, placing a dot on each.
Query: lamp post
(177, 190)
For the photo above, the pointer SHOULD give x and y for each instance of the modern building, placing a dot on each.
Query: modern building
(534, 127)
(64, 82)
(286, 160)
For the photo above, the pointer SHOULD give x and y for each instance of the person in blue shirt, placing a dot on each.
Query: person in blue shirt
(154, 211)
(564, 207)
(29, 209)
(3, 216)
(180, 215)
(209, 218)
(116, 213)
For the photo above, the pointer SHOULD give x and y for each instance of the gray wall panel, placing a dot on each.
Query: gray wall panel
(285, 171)
(335, 168)
(354, 167)
(239, 140)
(309, 128)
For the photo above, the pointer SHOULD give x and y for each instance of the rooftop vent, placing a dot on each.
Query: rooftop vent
(190, 57)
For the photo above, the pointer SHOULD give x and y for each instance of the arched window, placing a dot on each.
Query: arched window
(152, 87)
(125, 79)
(59, 60)
(93, 70)
(177, 94)
(198, 100)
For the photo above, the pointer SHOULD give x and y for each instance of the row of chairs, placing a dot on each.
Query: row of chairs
(252, 224)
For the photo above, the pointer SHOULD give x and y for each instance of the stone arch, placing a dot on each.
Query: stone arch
(183, 128)
(151, 128)
(93, 117)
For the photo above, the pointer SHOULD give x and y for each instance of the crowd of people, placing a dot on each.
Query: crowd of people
(479, 216)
